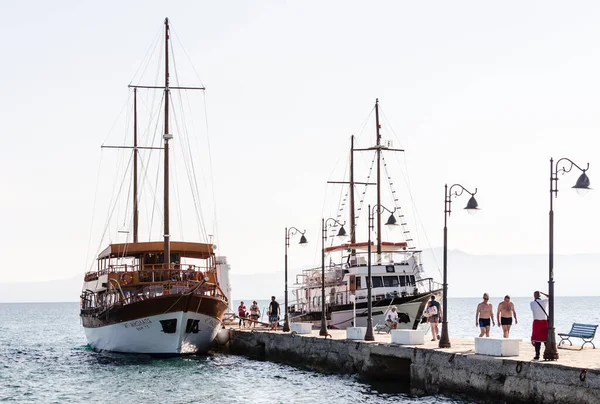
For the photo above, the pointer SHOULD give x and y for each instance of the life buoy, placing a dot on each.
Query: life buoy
(126, 278)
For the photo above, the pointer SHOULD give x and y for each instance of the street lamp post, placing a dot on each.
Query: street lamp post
(341, 234)
(582, 185)
(390, 222)
(288, 233)
(472, 208)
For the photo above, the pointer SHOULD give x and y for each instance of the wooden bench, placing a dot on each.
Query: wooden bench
(584, 331)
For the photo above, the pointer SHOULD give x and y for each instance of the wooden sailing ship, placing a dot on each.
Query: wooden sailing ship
(397, 275)
(154, 297)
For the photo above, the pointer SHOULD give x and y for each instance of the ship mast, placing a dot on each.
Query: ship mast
(378, 149)
(351, 185)
(135, 169)
(352, 206)
(166, 137)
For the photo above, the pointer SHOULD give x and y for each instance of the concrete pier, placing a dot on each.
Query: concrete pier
(574, 378)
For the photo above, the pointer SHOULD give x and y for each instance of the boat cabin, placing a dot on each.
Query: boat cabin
(397, 272)
(136, 271)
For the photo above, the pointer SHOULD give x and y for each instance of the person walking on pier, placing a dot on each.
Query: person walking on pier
(483, 316)
(274, 312)
(242, 314)
(254, 313)
(433, 318)
(539, 332)
(434, 324)
(504, 316)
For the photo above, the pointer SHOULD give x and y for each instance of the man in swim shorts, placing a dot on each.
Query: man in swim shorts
(484, 315)
(506, 311)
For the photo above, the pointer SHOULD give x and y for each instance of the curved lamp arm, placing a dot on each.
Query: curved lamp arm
(291, 231)
(326, 225)
(583, 182)
(456, 193)
(565, 170)
(380, 208)
(460, 191)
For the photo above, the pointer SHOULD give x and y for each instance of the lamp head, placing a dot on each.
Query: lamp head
(472, 206)
(342, 233)
(303, 241)
(391, 222)
(583, 184)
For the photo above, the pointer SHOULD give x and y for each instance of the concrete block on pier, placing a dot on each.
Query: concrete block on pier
(301, 328)
(494, 346)
(408, 337)
(357, 333)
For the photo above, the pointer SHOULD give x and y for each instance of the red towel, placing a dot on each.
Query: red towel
(540, 331)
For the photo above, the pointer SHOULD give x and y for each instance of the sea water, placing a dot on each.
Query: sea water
(44, 358)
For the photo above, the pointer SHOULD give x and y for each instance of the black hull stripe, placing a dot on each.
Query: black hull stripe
(206, 305)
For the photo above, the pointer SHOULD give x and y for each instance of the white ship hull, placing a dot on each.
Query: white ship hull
(410, 310)
(344, 319)
(146, 335)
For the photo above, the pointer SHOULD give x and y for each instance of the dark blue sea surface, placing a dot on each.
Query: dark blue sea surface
(44, 358)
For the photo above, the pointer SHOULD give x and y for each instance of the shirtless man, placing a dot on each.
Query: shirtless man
(506, 311)
(483, 316)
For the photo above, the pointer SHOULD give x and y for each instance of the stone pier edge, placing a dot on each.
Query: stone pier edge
(428, 371)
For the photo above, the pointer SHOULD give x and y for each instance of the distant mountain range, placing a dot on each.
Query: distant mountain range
(468, 276)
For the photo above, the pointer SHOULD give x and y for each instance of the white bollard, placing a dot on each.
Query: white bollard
(494, 346)
(408, 337)
(301, 328)
(357, 333)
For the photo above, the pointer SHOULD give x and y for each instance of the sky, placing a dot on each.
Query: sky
(477, 93)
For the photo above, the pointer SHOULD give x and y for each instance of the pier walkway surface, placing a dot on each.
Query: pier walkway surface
(572, 356)
(428, 369)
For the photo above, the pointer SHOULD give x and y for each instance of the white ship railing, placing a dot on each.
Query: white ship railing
(419, 287)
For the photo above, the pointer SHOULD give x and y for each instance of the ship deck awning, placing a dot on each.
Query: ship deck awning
(185, 249)
(386, 246)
